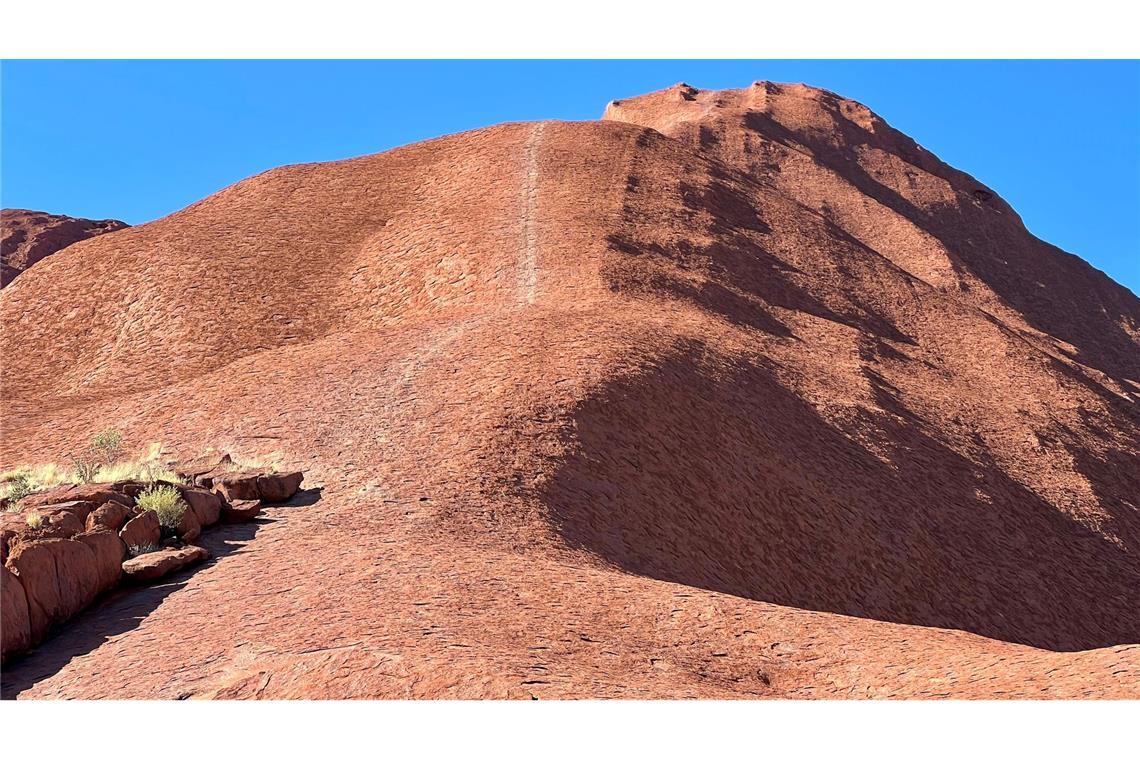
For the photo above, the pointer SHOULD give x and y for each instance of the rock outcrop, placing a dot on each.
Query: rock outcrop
(15, 626)
(27, 237)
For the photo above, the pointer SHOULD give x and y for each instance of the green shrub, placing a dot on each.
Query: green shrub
(107, 447)
(86, 467)
(19, 487)
(165, 501)
(104, 450)
(34, 519)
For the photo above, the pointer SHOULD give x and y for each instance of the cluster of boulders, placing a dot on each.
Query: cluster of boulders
(67, 546)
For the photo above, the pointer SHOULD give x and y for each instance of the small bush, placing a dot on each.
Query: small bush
(86, 467)
(34, 519)
(107, 447)
(136, 551)
(104, 450)
(19, 487)
(165, 501)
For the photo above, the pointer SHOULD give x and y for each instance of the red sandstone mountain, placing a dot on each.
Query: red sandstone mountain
(28, 236)
(730, 394)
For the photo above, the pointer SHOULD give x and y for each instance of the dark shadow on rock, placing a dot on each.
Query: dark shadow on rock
(1055, 291)
(124, 608)
(740, 278)
(715, 475)
(306, 497)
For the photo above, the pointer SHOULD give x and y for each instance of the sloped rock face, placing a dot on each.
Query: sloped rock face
(26, 237)
(939, 224)
(725, 384)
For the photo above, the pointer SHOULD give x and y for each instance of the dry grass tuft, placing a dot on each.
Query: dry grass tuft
(165, 501)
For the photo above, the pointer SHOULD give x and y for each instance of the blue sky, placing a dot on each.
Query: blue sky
(136, 140)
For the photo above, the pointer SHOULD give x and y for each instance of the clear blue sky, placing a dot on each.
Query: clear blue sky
(136, 140)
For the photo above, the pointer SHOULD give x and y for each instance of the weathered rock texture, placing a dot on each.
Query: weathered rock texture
(149, 567)
(729, 394)
(29, 236)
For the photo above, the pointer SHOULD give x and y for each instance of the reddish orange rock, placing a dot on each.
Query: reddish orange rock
(92, 493)
(237, 486)
(26, 237)
(206, 505)
(57, 501)
(278, 487)
(731, 394)
(111, 516)
(240, 510)
(15, 627)
(59, 577)
(154, 565)
(52, 522)
(188, 527)
(142, 530)
(109, 551)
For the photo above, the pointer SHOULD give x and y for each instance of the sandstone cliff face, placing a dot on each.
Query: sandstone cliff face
(29, 236)
(703, 399)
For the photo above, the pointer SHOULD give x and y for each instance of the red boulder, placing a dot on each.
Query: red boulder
(279, 487)
(242, 510)
(109, 551)
(207, 505)
(154, 565)
(15, 631)
(111, 515)
(188, 527)
(60, 577)
(143, 530)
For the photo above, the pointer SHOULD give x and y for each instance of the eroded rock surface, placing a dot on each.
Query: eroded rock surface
(26, 237)
(734, 393)
(109, 551)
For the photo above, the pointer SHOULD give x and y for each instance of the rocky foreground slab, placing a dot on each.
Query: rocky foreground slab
(65, 547)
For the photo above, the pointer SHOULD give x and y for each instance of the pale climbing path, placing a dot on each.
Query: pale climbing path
(528, 255)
